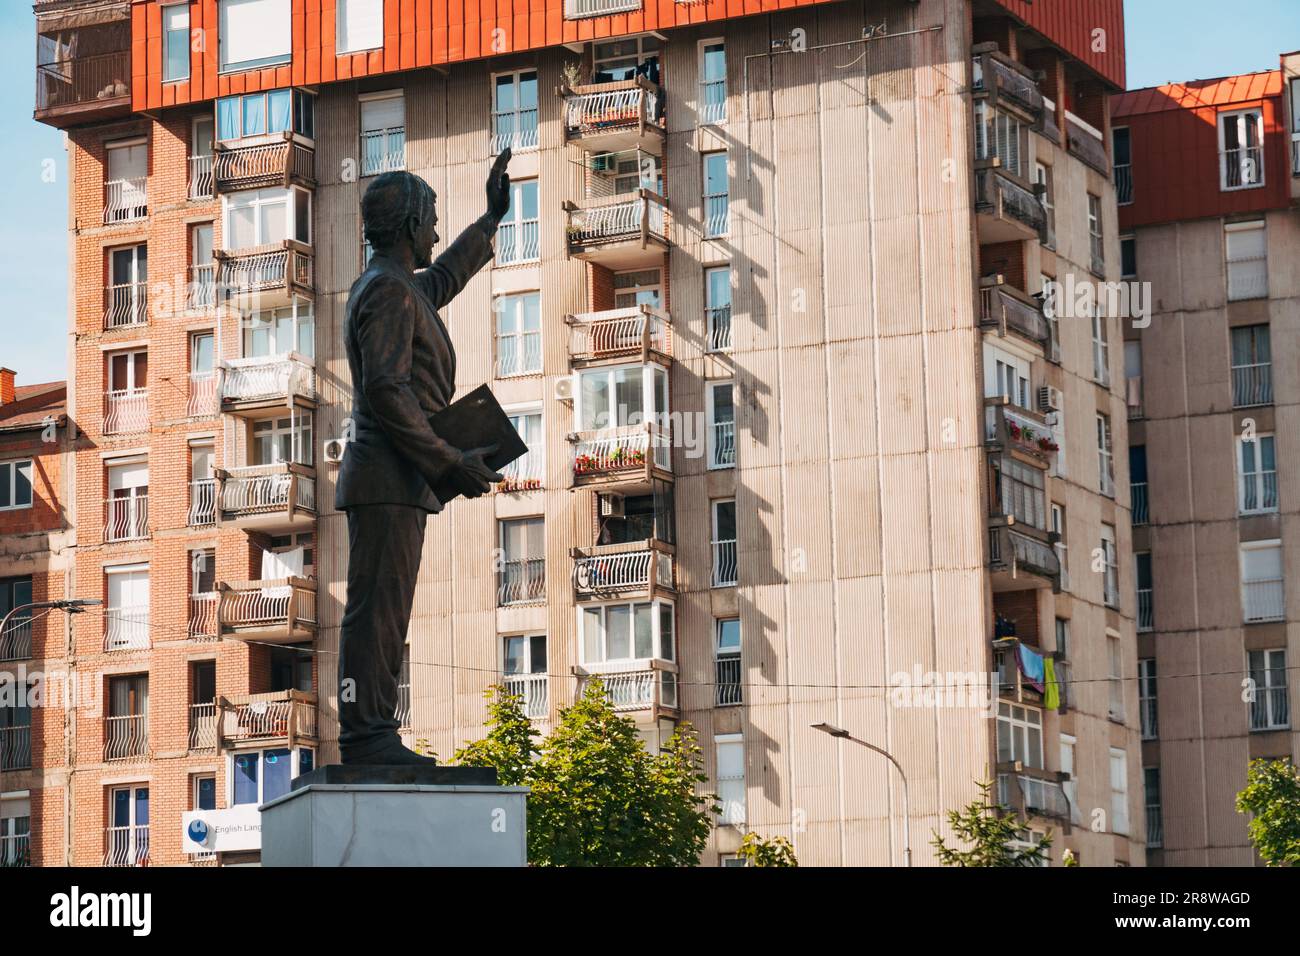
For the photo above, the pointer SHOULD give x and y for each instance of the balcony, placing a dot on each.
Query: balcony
(1022, 558)
(526, 473)
(640, 331)
(126, 846)
(202, 184)
(1007, 208)
(1048, 127)
(126, 737)
(126, 518)
(622, 232)
(267, 276)
(203, 503)
(1087, 143)
(94, 82)
(725, 564)
(203, 616)
(126, 628)
(16, 639)
(276, 499)
(521, 581)
(1252, 385)
(285, 717)
(253, 384)
(1010, 428)
(613, 117)
(203, 395)
(126, 304)
(634, 569)
(1005, 308)
(1007, 84)
(203, 727)
(126, 200)
(15, 850)
(648, 685)
(632, 455)
(282, 611)
(579, 9)
(535, 691)
(16, 748)
(1032, 792)
(201, 293)
(262, 166)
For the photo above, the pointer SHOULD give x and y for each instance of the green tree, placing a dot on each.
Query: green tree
(1272, 798)
(769, 851)
(598, 797)
(991, 830)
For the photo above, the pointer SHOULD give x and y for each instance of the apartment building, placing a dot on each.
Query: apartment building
(768, 308)
(1209, 175)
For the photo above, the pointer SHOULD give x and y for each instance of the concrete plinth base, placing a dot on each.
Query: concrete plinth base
(345, 815)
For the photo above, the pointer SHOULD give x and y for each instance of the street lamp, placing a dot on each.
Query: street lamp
(843, 734)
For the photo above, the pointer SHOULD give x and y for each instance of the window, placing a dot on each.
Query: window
(1110, 577)
(527, 472)
(721, 412)
(1269, 708)
(1046, 285)
(1133, 378)
(1146, 618)
(262, 217)
(1115, 677)
(1257, 475)
(1241, 149)
(622, 632)
(1128, 262)
(127, 508)
(644, 517)
(262, 114)
(176, 42)
(127, 838)
(16, 640)
(1070, 785)
(202, 135)
(1148, 711)
(203, 486)
(16, 833)
(15, 484)
(644, 287)
(724, 544)
(126, 728)
(1096, 241)
(359, 25)
(518, 236)
(730, 752)
(204, 795)
(1100, 347)
(261, 775)
(1295, 126)
(521, 575)
(1118, 791)
(514, 111)
(383, 133)
(1262, 593)
(203, 600)
(717, 308)
(1006, 376)
(519, 334)
(255, 33)
(277, 440)
(1137, 474)
(713, 83)
(728, 689)
(1043, 177)
(126, 181)
(715, 194)
(1020, 735)
(1252, 366)
(127, 294)
(1062, 548)
(203, 707)
(621, 397)
(126, 408)
(126, 618)
(1246, 249)
(1151, 795)
(523, 667)
(273, 332)
(1063, 638)
(203, 269)
(1120, 138)
(1020, 492)
(1105, 457)
(998, 136)
(626, 58)
(16, 726)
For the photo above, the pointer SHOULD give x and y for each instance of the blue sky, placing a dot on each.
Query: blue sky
(1166, 40)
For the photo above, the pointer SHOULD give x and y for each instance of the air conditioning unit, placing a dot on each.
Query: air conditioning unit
(1049, 398)
(333, 450)
(564, 388)
(612, 506)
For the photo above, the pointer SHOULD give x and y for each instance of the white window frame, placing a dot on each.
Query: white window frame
(371, 34)
(658, 607)
(1274, 544)
(256, 199)
(649, 413)
(709, 217)
(1058, 525)
(1069, 765)
(1257, 480)
(1110, 577)
(1043, 176)
(181, 11)
(707, 116)
(734, 808)
(1240, 229)
(1100, 346)
(1238, 118)
(718, 580)
(1096, 234)
(710, 407)
(656, 287)
(1008, 140)
(717, 341)
(1119, 822)
(1022, 724)
(514, 219)
(1276, 716)
(1148, 699)
(389, 134)
(515, 302)
(532, 465)
(283, 20)
(295, 762)
(300, 315)
(1105, 455)
(9, 471)
(298, 426)
(519, 139)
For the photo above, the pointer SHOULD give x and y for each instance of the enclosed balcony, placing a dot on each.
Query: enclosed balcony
(83, 61)
(279, 498)
(1006, 84)
(285, 163)
(632, 569)
(268, 381)
(1087, 143)
(610, 117)
(1033, 792)
(1007, 209)
(282, 717)
(1004, 308)
(641, 688)
(1021, 557)
(632, 456)
(621, 232)
(638, 332)
(275, 612)
(267, 276)
(1014, 430)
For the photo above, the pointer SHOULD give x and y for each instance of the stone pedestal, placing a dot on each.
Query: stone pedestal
(346, 815)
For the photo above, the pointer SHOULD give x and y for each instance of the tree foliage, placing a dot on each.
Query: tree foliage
(993, 834)
(766, 851)
(1272, 798)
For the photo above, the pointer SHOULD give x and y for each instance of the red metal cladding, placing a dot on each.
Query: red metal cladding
(1091, 31)
(1174, 134)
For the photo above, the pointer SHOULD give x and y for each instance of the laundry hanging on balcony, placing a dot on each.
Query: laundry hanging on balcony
(1052, 695)
(1030, 663)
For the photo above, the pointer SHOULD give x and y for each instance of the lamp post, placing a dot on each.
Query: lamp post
(843, 734)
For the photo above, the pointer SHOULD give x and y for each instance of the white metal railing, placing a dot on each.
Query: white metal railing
(203, 616)
(1269, 710)
(267, 376)
(716, 215)
(126, 519)
(1252, 384)
(201, 177)
(246, 167)
(518, 241)
(521, 581)
(264, 269)
(203, 726)
(15, 850)
(256, 489)
(606, 109)
(1146, 619)
(126, 628)
(1242, 167)
(514, 128)
(16, 747)
(125, 200)
(262, 716)
(1141, 510)
(519, 354)
(203, 502)
(613, 221)
(577, 9)
(719, 328)
(126, 410)
(202, 291)
(642, 685)
(724, 563)
(203, 395)
(126, 846)
(383, 150)
(1148, 718)
(723, 452)
(278, 603)
(1123, 183)
(1259, 492)
(128, 304)
(126, 737)
(1263, 599)
(596, 574)
(534, 690)
(727, 687)
(614, 450)
(713, 101)
(619, 331)
(16, 639)
(526, 472)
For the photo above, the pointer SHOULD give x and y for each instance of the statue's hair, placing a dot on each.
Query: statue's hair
(390, 200)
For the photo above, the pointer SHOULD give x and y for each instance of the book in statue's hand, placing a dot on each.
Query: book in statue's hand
(476, 421)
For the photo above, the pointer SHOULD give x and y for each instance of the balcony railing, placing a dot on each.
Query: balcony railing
(383, 150)
(1004, 307)
(616, 333)
(281, 268)
(126, 628)
(15, 748)
(514, 128)
(1146, 619)
(203, 395)
(1155, 828)
(203, 502)
(256, 167)
(267, 378)
(126, 519)
(283, 608)
(1014, 551)
(525, 473)
(126, 200)
(203, 726)
(1007, 83)
(202, 291)
(1242, 168)
(628, 217)
(83, 81)
(126, 737)
(1263, 600)
(288, 715)
(1141, 510)
(1009, 200)
(724, 563)
(519, 241)
(1148, 718)
(1252, 385)
(519, 354)
(202, 180)
(719, 328)
(1010, 426)
(713, 102)
(1033, 795)
(578, 9)
(727, 689)
(127, 305)
(15, 850)
(126, 410)
(1270, 709)
(1087, 143)
(722, 453)
(1259, 492)
(521, 581)
(267, 490)
(612, 569)
(16, 639)
(534, 689)
(1124, 183)
(126, 846)
(636, 684)
(624, 113)
(617, 452)
(203, 616)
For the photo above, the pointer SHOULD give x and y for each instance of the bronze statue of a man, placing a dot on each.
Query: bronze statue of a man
(403, 371)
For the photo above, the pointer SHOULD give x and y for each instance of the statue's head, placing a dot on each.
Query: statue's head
(399, 210)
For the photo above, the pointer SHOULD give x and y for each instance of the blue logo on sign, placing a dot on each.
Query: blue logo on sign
(198, 831)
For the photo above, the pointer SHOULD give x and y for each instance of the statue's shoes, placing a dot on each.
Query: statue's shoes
(397, 756)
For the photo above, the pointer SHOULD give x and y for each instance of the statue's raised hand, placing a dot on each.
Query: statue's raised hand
(498, 186)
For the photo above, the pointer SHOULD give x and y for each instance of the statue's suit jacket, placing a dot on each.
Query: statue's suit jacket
(403, 371)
